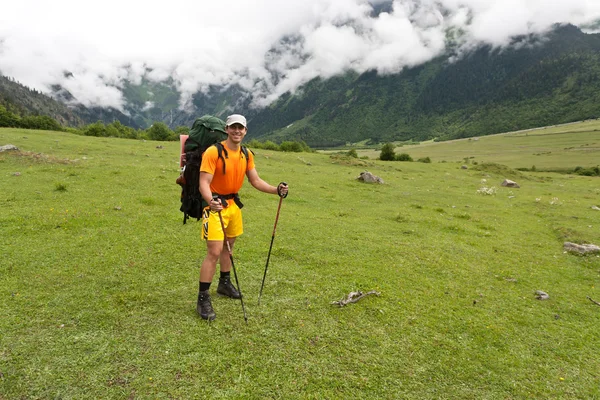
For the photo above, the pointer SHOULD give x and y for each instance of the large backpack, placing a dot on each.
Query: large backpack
(206, 131)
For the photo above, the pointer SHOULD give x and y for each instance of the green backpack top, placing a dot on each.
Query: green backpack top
(206, 131)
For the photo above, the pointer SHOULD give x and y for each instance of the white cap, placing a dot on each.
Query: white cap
(236, 119)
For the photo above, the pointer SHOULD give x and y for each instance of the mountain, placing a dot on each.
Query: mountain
(535, 82)
(22, 100)
(61, 106)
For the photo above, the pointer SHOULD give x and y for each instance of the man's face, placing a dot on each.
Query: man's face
(236, 132)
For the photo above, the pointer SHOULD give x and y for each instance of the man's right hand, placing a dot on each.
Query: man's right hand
(215, 204)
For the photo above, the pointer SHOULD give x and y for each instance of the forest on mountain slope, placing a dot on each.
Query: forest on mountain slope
(536, 81)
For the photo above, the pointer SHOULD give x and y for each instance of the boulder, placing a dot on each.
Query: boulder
(510, 184)
(8, 147)
(581, 248)
(368, 177)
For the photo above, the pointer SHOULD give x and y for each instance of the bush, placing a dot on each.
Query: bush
(352, 153)
(269, 145)
(160, 131)
(42, 122)
(404, 157)
(587, 171)
(426, 160)
(291, 147)
(387, 152)
(96, 129)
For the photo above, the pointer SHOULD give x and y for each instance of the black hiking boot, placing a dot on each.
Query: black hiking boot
(226, 288)
(204, 306)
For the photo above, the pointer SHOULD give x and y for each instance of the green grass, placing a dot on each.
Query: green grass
(557, 148)
(99, 278)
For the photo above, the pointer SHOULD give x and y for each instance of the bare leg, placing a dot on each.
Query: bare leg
(224, 259)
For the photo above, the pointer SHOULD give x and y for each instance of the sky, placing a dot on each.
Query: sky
(268, 47)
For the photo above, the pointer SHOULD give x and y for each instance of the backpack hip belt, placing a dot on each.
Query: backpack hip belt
(225, 197)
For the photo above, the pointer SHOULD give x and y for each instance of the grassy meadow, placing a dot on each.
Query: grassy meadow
(554, 148)
(99, 278)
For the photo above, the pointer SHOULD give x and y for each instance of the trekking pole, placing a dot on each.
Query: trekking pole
(270, 247)
(232, 264)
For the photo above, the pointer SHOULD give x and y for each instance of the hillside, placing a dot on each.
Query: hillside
(537, 82)
(22, 100)
(61, 106)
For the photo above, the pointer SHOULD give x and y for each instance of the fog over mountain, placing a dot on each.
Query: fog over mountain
(266, 47)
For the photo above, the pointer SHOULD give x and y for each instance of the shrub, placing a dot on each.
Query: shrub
(96, 129)
(426, 160)
(42, 122)
(288, 146)
(387, 152)
(352, 153)
(404, 157)
(269, 145)
(160, 131)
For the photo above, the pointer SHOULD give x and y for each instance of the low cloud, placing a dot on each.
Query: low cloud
(267, 47)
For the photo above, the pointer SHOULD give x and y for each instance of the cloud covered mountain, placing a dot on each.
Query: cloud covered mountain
(536, 80)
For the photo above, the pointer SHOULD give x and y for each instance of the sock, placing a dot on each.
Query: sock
(204, 286)
(225, 274)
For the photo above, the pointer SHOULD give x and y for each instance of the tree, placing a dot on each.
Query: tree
(160, 131)
(387, 152)
(96, 129)
(8, 119)
(182, 130)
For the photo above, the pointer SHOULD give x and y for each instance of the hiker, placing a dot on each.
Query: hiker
(225, 181)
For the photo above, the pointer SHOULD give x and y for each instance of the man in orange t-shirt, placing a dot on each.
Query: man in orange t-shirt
(225, 183)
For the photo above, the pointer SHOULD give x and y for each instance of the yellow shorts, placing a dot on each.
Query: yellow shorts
(232, 220)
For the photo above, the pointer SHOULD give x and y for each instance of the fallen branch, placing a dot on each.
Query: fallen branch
(593, 301)
(353, 297)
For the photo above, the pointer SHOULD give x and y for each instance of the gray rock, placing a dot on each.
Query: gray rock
(541, 295)
(8, 147)
(368, 177)
(511, 184)
(581, 248)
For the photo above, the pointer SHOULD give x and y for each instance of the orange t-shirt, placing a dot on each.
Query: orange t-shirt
(235, 169)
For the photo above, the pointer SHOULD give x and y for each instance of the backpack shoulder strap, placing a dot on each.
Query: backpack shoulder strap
(245, 152)
(220, 150)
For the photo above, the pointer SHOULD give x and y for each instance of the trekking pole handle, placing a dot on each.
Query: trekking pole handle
(279, 192)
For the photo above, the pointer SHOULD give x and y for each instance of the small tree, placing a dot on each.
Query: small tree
(387, 152)
(95, 129)
(160, 131)
(182, 130)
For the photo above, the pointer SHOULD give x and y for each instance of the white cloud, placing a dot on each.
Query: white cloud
(201, 43)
